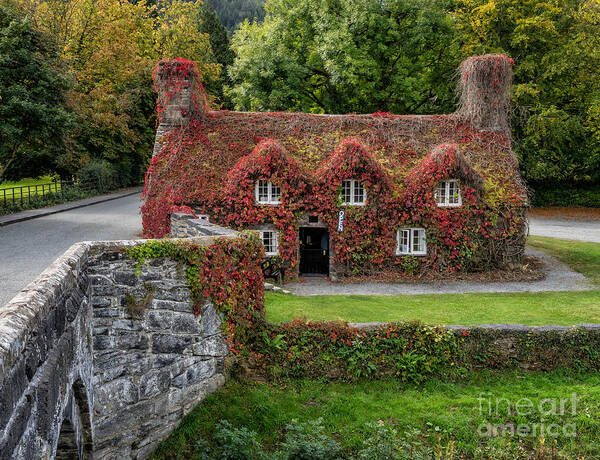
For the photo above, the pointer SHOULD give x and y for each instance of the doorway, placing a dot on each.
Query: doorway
(314, 251)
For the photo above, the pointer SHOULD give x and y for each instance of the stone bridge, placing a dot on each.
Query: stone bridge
(98, 361)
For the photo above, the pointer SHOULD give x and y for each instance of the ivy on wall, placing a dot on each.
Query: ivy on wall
(212, 164)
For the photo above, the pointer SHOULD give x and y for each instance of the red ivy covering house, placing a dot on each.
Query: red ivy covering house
(347, 194)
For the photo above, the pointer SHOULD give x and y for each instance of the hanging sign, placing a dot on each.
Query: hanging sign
(340, 227)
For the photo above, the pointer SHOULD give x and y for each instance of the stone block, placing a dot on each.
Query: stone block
(168, 343)
(213, 346)
(132, 340)
(154, 383)
(186, 323)
(159, 320)
(128, 278)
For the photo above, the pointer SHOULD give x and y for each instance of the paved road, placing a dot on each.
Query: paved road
(27, 248)
(566, 229)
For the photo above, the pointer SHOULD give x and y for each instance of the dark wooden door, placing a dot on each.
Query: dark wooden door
(314, 251)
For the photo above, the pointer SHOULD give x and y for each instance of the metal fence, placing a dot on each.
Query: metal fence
(24, 194)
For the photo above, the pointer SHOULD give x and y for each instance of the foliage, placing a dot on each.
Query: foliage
(34, 119)
(556, 86)
(566, 195)
(99, 173)
(427, 420)
(234, 12)
(346, 56)
(221, 53)
(48, 199)
(111, 47)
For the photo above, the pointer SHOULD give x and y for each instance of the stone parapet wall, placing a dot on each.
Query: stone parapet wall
(46, 351)
(154, 359)
(189, 226)
(102, 357)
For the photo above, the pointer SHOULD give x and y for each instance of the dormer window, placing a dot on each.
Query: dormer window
(353, 193)
(267, 193)
(270, 240)
(447, 194)
(411, 241)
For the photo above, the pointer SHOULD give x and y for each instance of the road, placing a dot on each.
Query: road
(27, 248)
(566, 229)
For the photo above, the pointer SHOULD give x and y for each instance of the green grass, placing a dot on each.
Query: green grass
(563, 308)
(28, 181)
(23, 193)
(436, 409)
(580, 256)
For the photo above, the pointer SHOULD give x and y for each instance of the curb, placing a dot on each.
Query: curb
(68, 206)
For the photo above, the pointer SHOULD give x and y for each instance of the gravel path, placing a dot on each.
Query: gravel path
(559, 277)
(582, 230)
(26, 248)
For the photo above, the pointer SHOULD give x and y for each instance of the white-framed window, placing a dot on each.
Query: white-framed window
(354, 193)
(411, 241)
(270, 239)
(447, 194)
(266, 192)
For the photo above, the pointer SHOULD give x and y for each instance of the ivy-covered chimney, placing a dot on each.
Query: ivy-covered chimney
(484, 91)
(179, 95)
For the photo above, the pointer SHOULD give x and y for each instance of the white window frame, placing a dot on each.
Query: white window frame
(408, 235)
(271, 197)
(443, 191)
(354, 187)
(275, 240)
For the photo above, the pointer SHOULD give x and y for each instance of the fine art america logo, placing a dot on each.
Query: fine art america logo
(542, 419)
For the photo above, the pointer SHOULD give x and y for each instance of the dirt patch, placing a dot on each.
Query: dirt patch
(532, 269)
(554, 212)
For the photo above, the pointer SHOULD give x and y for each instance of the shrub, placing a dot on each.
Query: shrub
(567, 196)
(308, 441)
(98, 175)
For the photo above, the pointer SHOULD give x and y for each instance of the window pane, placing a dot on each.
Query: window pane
(416, 241)
(419, 237)
(440, 193)
(453, 193)
(359, 192)
(404, 241)
(268, 238)
(346, 191)
(275, 192)
(263, 191)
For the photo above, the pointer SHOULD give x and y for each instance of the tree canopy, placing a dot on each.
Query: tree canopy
(33, 116)
(346, 56)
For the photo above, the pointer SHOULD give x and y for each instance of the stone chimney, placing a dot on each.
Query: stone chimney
(179, 96)
(484, 91)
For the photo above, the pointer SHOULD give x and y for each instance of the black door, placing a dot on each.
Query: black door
(314, 251)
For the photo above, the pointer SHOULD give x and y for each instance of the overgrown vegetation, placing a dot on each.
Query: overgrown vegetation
(388, 419)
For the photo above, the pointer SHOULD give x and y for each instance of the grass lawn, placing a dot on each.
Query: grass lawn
(433, 413)
(27, 192)
(564, 308)
(28, 181)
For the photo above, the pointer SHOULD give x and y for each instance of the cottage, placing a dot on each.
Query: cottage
(347, 194)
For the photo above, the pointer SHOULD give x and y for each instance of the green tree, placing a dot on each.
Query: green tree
(556, 47)
(221, 52)
(346, 56)
(33, 115)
